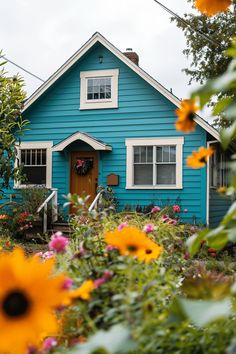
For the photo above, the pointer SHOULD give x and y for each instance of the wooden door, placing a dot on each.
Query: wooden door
(84, 182)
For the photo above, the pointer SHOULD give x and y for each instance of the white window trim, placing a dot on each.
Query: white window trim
(130, 143)
(37, 145)
(104, 103)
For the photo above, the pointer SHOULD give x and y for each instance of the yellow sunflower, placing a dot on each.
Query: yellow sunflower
(185, 113)
(151, 252)
(199, 158)
(133, 242)
(212, 7)
(28, 296)
(129, 240)
(84, 291)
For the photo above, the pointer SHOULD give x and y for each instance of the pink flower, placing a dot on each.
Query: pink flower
(99, 282)
(155, 209)
(110, 248)
(58, 242)
(122, 225)
(185, 210)
(49, 343)
(148, 228)
(67, 283)
(165, 217)
(107, 275)
(48, 254)
(176, 208)
(172, 221)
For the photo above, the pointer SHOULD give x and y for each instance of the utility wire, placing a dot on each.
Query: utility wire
(188, 24)
(20, 67)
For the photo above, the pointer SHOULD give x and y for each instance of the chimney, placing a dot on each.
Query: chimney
(132, 55)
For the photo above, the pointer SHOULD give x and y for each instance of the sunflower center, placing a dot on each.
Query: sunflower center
(15, 304)
(132, 248)
(148, 251)
(203, 159)
(191, 116)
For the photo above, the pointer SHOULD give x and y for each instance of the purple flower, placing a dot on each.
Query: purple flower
(122, 225)
(172, 221)
(58, 242)
(155, 209)
(176, 208)
(185, 210)
(49, 343)
(148, 228)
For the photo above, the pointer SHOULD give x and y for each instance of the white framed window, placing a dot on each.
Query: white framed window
(99, 89)
(36, 158)
(154, 163)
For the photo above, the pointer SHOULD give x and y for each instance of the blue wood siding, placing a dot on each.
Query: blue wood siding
(218, 205)
(142, 112)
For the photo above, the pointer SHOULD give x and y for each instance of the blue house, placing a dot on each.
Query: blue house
(100, 119)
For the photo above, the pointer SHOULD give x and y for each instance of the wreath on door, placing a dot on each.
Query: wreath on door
(83, 166)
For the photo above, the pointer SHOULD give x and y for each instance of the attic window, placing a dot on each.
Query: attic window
(99, 89)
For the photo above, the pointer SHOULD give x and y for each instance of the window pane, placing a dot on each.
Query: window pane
(143, 154)
(23, 157)
(150, 154)
(159, 154)
(108, 95)
(166, 174)
(172, 153)
(136, 154)
(166, 153)
(44, 157)
(143, 174)
(35, 175)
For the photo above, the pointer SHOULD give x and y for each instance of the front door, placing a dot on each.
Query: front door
(84, 173)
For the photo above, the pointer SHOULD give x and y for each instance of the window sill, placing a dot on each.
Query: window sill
(155, 187)
(25, 186)
(98, 105)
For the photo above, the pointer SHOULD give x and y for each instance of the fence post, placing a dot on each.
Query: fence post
(54, 206)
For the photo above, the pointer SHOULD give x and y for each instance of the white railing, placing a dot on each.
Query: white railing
(94, 204)
(53, 198)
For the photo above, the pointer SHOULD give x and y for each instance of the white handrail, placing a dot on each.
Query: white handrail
(95, 201)
(52, 197)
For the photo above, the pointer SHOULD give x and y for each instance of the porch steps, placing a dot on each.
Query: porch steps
(61, 226)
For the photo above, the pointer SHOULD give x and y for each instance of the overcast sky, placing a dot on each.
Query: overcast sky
(41, 35)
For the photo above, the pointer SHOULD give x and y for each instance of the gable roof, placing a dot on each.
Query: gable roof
(97, 37)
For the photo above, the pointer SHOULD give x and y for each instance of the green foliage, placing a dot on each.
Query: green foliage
(12, 125)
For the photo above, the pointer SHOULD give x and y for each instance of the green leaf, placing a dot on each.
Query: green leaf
(201, 312)
(221, 105)
(217, 239)
(230, 111)
(194, 242)
(116, 340)
(231, 214)
(227, 135)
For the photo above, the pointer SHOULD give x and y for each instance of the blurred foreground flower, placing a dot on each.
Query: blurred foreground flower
(133, 242)
(29, 295)
(212, 7)
(199, 158)
(185, 113)
(84, 291)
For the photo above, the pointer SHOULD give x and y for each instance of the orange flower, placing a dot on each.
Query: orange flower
(222, 189)
(199, 158)
(133, 242)
(84, 291)
(185, 113)
(212, 7)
